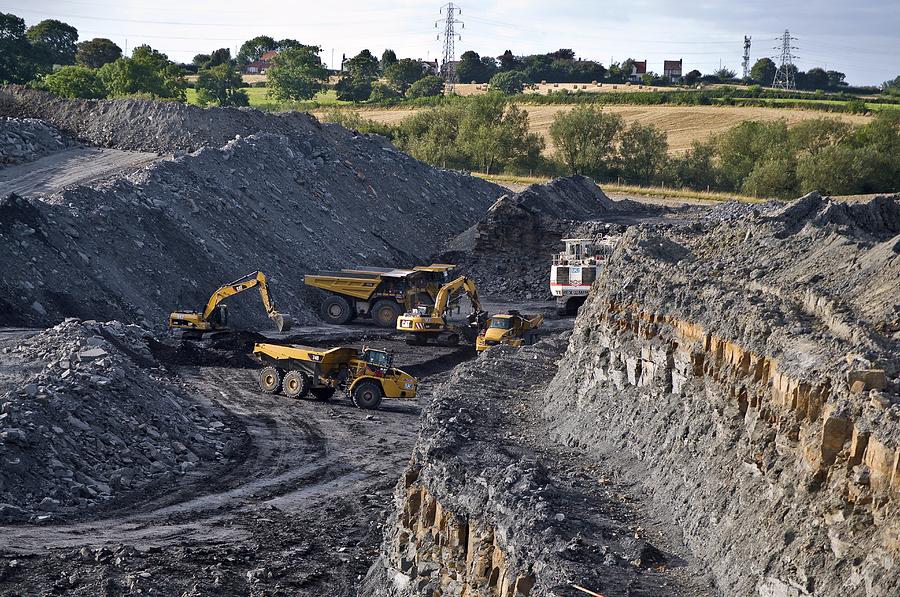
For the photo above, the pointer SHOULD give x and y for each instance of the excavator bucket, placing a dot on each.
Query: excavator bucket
(283, 321)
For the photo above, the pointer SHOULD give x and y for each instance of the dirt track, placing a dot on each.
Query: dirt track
(78, 165)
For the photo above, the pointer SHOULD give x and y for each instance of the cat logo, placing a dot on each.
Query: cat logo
(315, 357)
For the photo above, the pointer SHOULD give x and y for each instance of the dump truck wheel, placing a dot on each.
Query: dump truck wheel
(337, 310)
(269, 379)
(367, 395)
(295, 384)
(385, 313)
(322, 394)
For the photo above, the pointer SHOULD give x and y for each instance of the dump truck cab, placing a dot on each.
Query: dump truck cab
(367, 375)
(379, 293)
(513, 329)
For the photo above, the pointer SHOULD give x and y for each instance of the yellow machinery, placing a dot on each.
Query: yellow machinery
(215, 316)
(511, 328)
(432, 323)
(368, 375)
(377, 292)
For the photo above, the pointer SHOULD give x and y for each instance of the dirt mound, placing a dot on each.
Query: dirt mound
(508, 250)
(26, 139)
(751, 363)
(87, 422)
(134, 248)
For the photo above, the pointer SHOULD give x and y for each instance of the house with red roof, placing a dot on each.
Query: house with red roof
(672, 70)
(638, 70)
(259, 67)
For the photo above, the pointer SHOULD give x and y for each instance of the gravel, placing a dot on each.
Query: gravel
(26, 139)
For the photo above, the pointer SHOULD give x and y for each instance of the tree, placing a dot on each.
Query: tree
(404, 73)
(296, 74)
(763, 71)
(388, 57)
(220, 56)
(75, 82)
(836, 79)
(725, 75)
(891, 87)
(584, 137)
(252, 49)
(432, 136)
(382, 92)
(17, 60)
(813, 135)
(359, 74)
(816, 78)
(772, 177)
(563, 54)
(429, 86)
(692, 77)
(97, 52)
(147, 71)
(744, 146)
(201, 60)
(508, 61)
(221, 85)
(643, 151)
(470, 68)
(283, 44)
(55, 40)
(493, 134)
(508, 82)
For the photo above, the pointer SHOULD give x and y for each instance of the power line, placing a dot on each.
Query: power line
(785, 75)
(448, 65)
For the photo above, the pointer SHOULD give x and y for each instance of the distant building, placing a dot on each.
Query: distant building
(259, 67)
(638, 70)
(431, 66)
(672, 70)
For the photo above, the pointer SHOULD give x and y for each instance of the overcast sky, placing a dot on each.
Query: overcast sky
(859, 38)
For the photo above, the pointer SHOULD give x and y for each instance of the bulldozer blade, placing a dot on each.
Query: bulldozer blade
(283, 321)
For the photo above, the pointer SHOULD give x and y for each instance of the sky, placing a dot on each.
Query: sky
(860, 38)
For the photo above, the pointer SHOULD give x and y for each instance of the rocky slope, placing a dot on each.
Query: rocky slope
(26, 139)
(752, 365)
(278, 193)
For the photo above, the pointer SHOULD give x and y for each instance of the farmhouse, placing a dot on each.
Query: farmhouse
(259, 67)
(672, 70)
(638, 69)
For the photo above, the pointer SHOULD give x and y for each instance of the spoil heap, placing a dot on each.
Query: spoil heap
(293, 196)
(752, 365)
(26, 139)
(88, 422)
(508, 250)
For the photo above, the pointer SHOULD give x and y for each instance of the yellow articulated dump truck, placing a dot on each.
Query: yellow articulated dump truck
(368, 375)
(511, 328)
(377, 292)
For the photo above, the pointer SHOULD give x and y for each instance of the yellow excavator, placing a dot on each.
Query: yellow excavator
(215, 316)
(426, 324)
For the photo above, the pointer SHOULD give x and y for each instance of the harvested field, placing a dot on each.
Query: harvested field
(682, 124)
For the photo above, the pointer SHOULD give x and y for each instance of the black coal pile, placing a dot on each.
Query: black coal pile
(508, 251)
(292, 197)
(89, 420)
(26, 139)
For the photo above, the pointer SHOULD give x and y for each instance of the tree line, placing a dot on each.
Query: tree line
(490, 134)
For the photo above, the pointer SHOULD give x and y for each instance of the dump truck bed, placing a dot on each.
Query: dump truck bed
(312, 354)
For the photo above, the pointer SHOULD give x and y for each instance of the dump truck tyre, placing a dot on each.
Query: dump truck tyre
(295, 384)
(367, 395)
(322, 394)
(269, 379)
(336, 310)
(385, 313)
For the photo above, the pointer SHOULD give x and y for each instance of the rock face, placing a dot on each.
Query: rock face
(26, 139)
(86, 423)
(291, 197)
(752, 364)
(508, 250)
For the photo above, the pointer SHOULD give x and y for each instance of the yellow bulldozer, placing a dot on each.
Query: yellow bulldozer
(214, 316)
(512, 328)
(425, 324)
(368, 375)
(377, 292)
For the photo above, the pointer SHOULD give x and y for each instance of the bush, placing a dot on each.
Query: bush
(221, 85)
(383, 93)
(75, 82)
(429, 86)
(508, 82)
(351, 119)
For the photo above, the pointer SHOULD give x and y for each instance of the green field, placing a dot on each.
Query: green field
(259, 100)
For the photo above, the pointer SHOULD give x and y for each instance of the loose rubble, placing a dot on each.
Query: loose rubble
(26, 139)
(89, 421)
